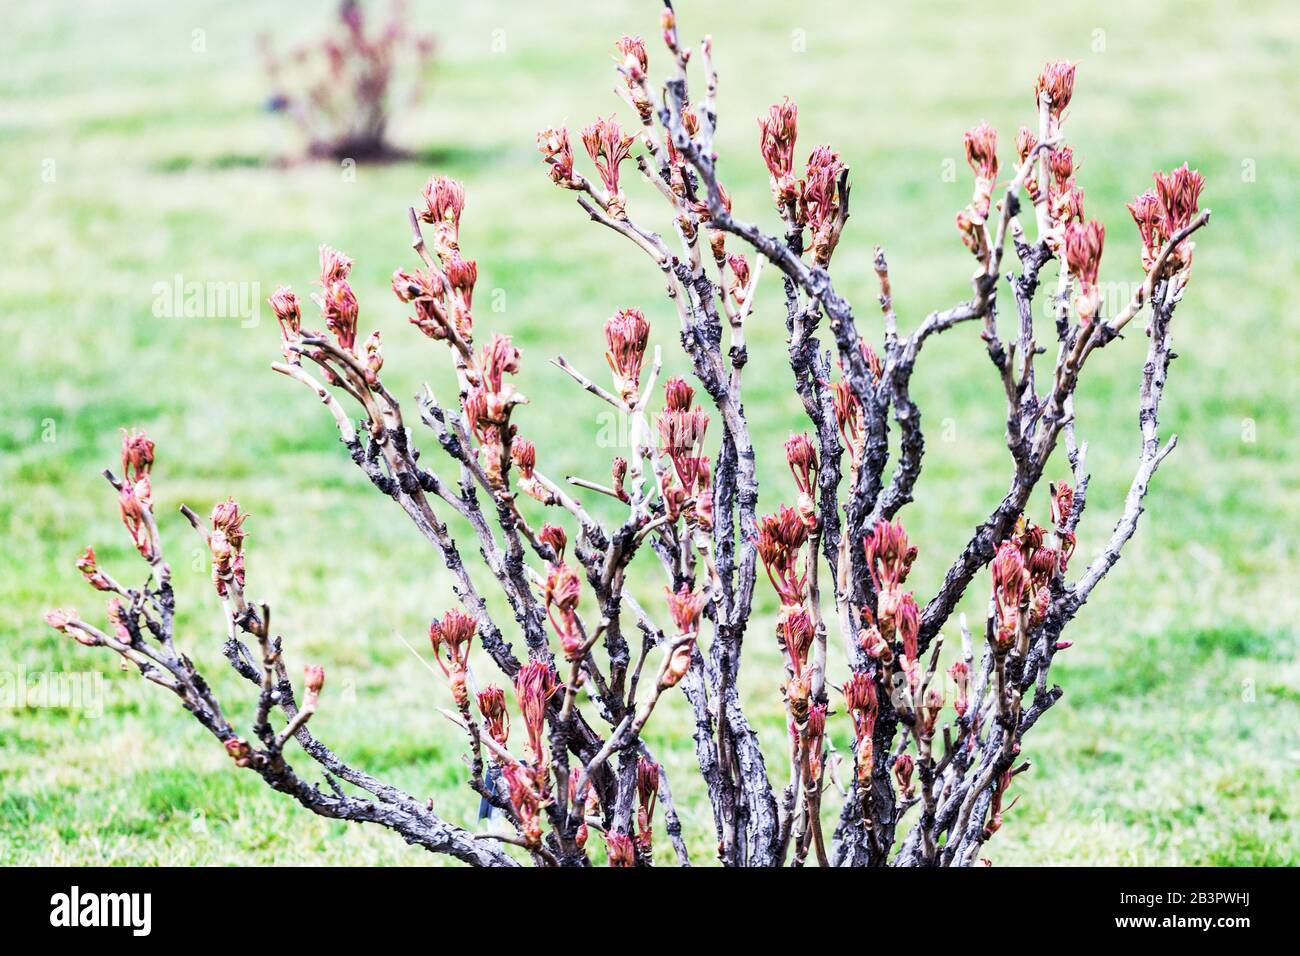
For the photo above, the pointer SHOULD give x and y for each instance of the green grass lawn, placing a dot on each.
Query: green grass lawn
(134, 150)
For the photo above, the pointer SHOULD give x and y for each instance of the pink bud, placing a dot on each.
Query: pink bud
(314, 676)
(778, 130)
(90, 571)
(554, 536)
(59, 619)
(492, 705)
(555, 149)
(1083, 245)
(904, 766)
(334, 266)
(620, 849)
(626, 337)
(982, 150)
(535, 684)
(1057, 81)
(608, 147)
(339, 306)
(685, 608)
(524, 455)
(137, 455)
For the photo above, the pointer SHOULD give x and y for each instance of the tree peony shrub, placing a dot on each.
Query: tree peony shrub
(555, 745)
(341, 90)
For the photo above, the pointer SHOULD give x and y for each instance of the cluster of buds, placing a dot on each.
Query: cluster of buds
(781, 538)
(1064, 196)
(1054, 89)
(524, 455)
(1010, 586)
(527, 797)
(492, 705)
(982, 155)
(535, 685)
(634, 65)
(561, 593)
(820, 201)
(1040, 558)
(289, 314)
(492, 398)
(337, 301)
(816, 200)
(226, 543)
(443, 300)
(451, 638)
(444, 199)
(135, 498)
(553, 143)
(647, 793)
(1161, 212)
(608, 147)
(801, 456)
(681, 433)
(777, 132)
(1083, 244)
(860, 699)
(626, 337)
(620, 849)
(427, 292)
(685, 608)
(899, 620)
(1023, 569)
(796, 634)
(889, 559)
